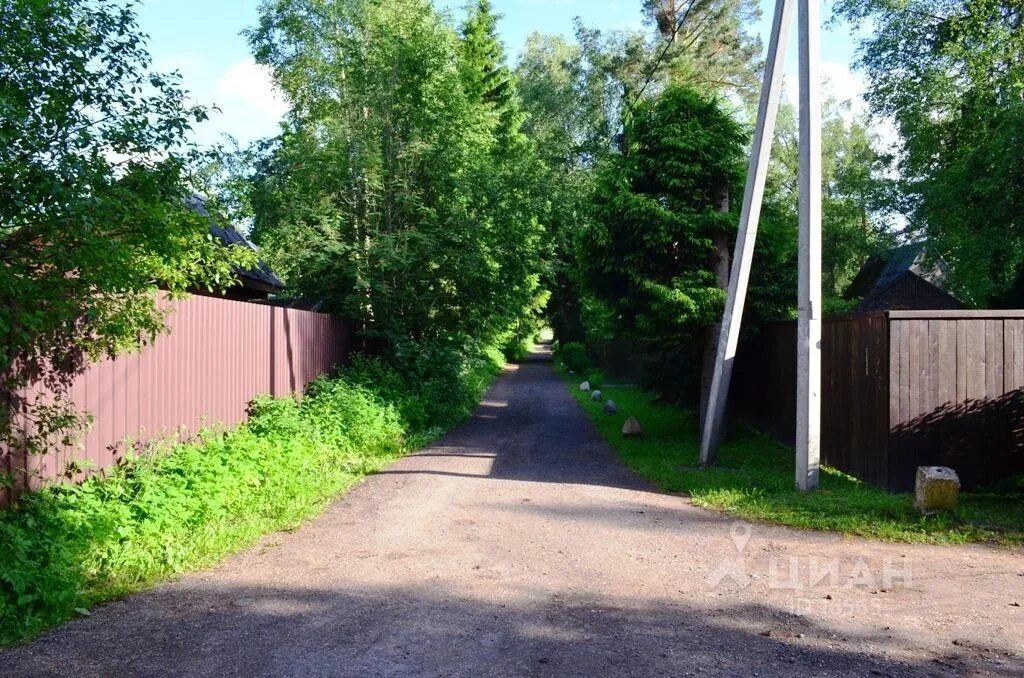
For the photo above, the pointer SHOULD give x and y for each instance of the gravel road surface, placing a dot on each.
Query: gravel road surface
(518, 545)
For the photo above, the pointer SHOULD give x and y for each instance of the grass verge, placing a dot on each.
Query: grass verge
(753, 479)
(69, 547)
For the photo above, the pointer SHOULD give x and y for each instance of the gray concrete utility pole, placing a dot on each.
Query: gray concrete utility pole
(809, 289)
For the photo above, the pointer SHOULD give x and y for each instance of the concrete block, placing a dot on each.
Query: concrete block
(936, 489)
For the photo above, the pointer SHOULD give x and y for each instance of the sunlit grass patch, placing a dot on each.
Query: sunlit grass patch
(754, 479)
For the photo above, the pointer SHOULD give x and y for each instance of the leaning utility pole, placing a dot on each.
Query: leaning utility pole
(809, 292)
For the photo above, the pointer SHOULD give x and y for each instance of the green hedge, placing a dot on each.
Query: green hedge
(69, 547)
(574, 356)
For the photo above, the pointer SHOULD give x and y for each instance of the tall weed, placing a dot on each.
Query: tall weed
(68, 547)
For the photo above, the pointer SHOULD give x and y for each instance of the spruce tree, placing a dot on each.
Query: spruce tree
(485, 76)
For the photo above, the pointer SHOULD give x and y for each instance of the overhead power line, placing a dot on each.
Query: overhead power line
(661, 57)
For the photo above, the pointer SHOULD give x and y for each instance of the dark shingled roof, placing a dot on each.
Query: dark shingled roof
(909, 292)
(902, 279)
(261, 274)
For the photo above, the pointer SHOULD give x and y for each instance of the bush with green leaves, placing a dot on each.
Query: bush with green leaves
(69, 547)
(574, 356)
(432, 386)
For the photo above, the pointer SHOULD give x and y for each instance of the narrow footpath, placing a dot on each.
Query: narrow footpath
(518, 545)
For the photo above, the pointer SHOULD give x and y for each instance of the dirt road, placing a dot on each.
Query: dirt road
(518, 545)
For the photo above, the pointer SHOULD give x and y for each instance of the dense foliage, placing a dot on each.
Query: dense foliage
(856, 201)
(95, 165)
(69, 547)
(651, 252)
(637, 258)
(402, 191)
(950, 73)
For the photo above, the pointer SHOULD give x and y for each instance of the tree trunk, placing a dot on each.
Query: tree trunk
(720, 264)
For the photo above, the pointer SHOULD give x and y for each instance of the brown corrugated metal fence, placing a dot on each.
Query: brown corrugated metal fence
(899, 390)
(218, 355)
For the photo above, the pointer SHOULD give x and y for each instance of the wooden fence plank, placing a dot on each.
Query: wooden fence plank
(976, 367)
(920, 374)
(944, 364)
(881, 387)
(993, 358)
(904, 358)
(961, 360)
(895, 376)
(1013, 351)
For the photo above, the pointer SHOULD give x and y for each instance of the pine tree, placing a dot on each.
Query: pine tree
(709, 45)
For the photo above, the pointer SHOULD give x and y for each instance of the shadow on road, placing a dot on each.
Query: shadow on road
(532, 430)
(399, 632)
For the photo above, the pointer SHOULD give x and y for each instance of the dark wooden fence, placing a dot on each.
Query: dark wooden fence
(899, 390)
(218, 355)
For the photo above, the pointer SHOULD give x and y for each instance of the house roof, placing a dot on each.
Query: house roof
(902, 278)
(261, 276)
(908, 292)
(880, 270)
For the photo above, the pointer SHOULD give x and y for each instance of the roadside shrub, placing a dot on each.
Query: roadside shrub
(351, 418)
(574, 356)
(516, 349)
(432, 387)
(596, 379)
(68, 547)
(672, 373)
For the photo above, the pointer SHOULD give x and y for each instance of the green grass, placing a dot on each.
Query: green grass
(753, 479)
(69, 547)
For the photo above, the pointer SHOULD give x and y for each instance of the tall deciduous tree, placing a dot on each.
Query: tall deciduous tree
(951, 75)
(401, 191)
(572, 98)
(855, 196)
(95, 162)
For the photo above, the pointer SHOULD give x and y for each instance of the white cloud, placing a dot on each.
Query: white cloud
(845, 85)
(250, 106)
(250, 86)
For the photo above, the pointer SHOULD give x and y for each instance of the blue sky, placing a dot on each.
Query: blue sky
(202, 40)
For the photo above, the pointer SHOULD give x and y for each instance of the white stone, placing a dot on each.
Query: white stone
(632, 428)
(585, 386)
(596, 395)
